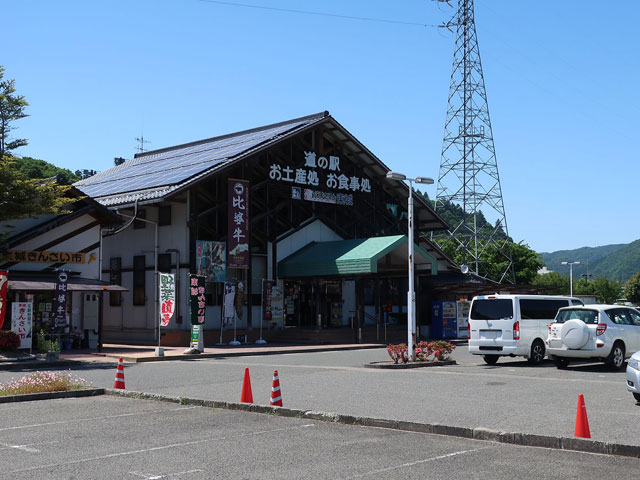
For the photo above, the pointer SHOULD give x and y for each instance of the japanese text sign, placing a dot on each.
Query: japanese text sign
(60, 299)
(238, 224)
(167, 298)
(198, 299)
(22, 321)
(4, 285)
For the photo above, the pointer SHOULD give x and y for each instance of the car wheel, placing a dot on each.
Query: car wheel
(560, 362)
(537, 353)
(637, 397)
(490, 359)
(615, 360)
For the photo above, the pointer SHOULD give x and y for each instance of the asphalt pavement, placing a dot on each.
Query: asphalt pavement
(511, 396)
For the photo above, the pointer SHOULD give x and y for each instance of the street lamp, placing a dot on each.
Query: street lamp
(571, 264)
(411, 295)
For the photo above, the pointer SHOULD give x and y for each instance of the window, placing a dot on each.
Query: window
(139, 274)
(137, 224)
(540, 309)
(589, 317)
(164, 215)
(492, 309)
(115, 299)
(635, 317)
(164, 262)
(618, 316)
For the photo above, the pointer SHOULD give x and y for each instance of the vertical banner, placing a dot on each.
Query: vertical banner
(60, 299)
(267, 287)
(238, 223)
(167, 298)
(4, 286)
(228, 308)
(277, 303)
(197, 299)
(22, 322)
(211, 260)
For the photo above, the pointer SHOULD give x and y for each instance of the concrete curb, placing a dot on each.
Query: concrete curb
(478, 433)
(31, 364)
(195, 356)
(28, 397)
(400, 366)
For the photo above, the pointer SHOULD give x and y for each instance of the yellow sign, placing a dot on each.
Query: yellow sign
(35, 256)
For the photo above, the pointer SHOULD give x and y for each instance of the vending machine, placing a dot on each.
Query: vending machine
(444, 323)
(463, 318)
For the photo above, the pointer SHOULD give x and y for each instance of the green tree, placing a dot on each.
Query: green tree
(11, 108)
(557, 284)
(632, 289)
(21, 196)
(607, 291)
(37, 169)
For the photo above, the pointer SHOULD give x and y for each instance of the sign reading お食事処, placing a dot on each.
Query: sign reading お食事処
(311, 180)
(238, 224)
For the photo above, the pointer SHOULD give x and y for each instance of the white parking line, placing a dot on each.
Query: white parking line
(417, 462)
(93, 419)
(151, 476)
(162, 447)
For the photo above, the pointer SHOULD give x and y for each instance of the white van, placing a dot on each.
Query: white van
(513, 325)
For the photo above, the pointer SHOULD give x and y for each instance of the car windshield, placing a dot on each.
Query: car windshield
(491, 309)
(587, 316)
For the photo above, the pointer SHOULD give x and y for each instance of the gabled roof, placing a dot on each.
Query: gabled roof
(154, 175)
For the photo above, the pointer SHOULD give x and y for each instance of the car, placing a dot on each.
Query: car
(633, 375)
(608, 333)
(513, 325)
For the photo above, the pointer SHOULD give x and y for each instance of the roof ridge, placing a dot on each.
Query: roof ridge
(234, 134)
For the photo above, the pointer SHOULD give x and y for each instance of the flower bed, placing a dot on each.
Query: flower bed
(437, 350)
(42, 382)
(9, 341)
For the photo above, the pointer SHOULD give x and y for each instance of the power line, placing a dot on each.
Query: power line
(334, 15)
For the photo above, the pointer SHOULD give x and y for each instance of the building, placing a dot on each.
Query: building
(301, 205)
(38, 248)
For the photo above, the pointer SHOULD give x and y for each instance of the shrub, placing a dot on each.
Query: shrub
(436, 350)
(9, 341)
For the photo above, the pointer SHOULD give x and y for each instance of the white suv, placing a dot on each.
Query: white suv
(609, 333)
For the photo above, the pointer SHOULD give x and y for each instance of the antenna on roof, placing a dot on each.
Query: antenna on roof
(141, 141)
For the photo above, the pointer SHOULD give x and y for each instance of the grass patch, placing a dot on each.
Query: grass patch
(39, 382)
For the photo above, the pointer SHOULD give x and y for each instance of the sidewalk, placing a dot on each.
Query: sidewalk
(111, 353)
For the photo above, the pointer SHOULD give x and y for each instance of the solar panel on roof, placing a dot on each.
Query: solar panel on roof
(173, 166)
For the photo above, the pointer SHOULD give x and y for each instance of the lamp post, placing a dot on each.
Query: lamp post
(571, 264)
(411, 295)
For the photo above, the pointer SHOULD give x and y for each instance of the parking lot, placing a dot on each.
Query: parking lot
(110, 437)
(510, 396)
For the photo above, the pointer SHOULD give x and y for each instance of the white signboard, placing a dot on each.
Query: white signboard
(22, 322)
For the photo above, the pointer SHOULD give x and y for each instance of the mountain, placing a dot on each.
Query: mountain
(615, 262)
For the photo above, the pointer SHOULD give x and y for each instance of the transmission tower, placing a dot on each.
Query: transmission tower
(468, 177)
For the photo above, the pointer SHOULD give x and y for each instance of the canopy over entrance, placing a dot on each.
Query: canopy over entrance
(355, 257)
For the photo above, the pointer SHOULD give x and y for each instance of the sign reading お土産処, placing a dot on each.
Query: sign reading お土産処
(321, 172)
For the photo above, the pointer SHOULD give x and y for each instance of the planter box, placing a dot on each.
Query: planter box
(28, 397)
(52, 356)
(400, 366)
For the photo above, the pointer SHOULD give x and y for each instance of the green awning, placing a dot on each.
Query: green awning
(349, 257)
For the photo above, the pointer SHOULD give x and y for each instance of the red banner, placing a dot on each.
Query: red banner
(238, 224)
(4, 286)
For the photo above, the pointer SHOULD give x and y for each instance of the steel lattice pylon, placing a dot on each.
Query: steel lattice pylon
(468, 175)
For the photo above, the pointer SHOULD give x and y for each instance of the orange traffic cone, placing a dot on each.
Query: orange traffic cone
(582, 424)
(119, 381)
(276, 397)
(246, 396)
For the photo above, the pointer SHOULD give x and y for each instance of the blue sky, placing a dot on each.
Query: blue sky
(561, 79)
